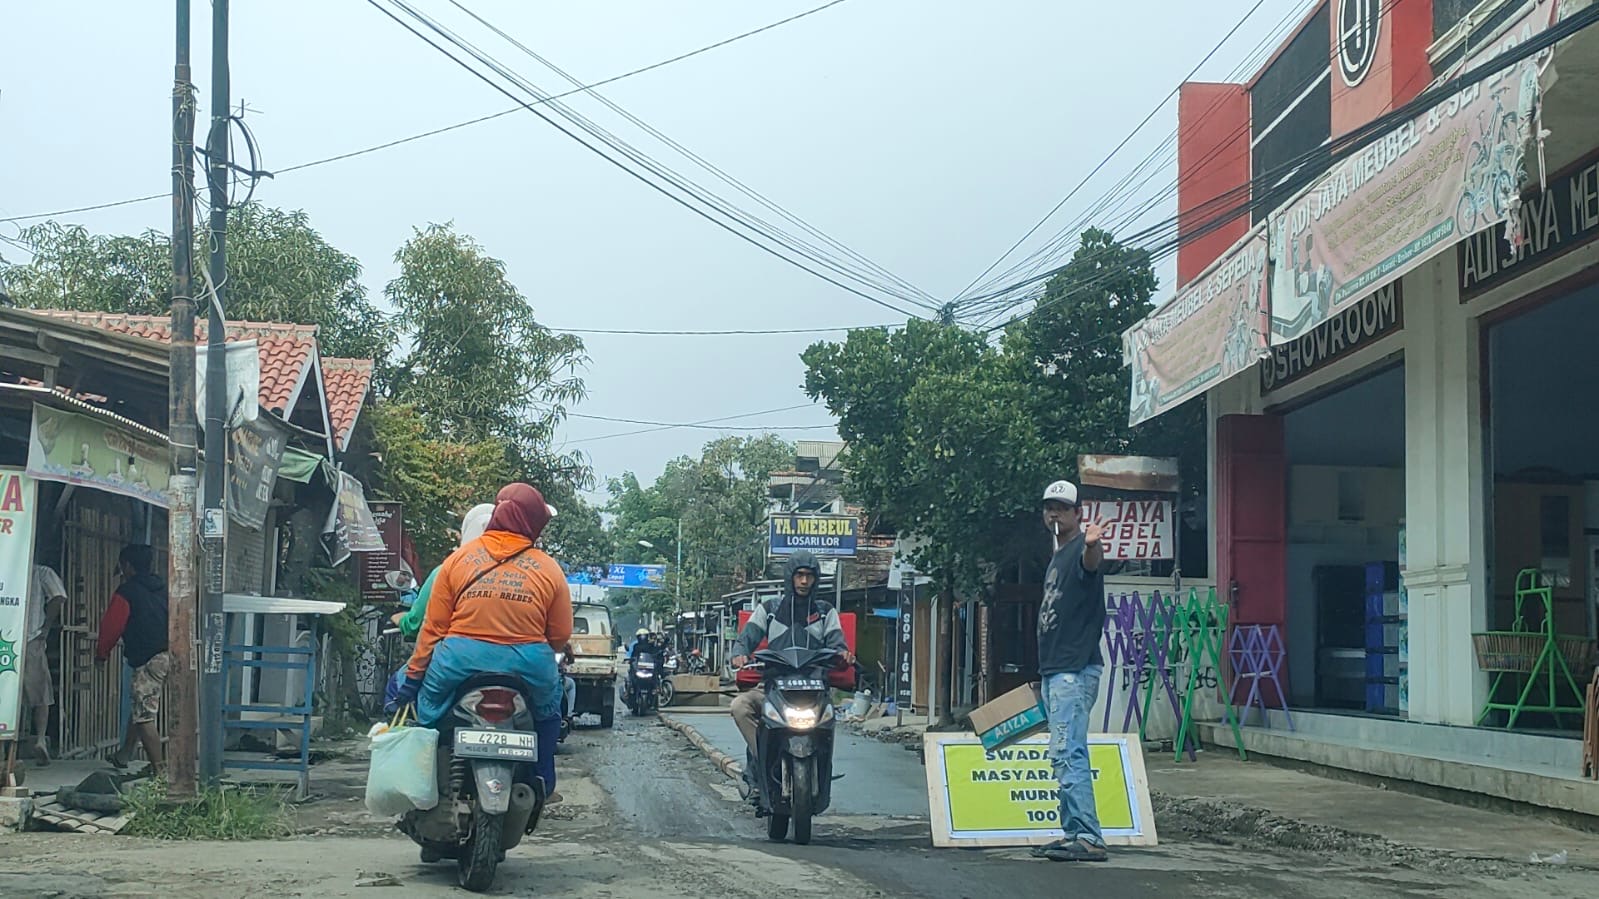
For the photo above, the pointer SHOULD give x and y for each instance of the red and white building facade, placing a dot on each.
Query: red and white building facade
(1398, 383)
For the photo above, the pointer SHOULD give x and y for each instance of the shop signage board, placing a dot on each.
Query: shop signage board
(1356, 326)
(905, 646)
(1214, 329)
(1446, 174)
(256, 452)
(1553, 223)
(17, 494)
(350, 528)
(76, 449)
(1135, 529)
(375, 566)
(983, 798)
(823, 535)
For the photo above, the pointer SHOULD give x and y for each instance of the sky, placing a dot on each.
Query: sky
(928, 135)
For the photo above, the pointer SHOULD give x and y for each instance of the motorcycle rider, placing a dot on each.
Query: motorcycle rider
(797, 618)
(500, 604)
(473, 525)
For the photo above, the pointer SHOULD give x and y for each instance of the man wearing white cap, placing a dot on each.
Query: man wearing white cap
(1070, 621)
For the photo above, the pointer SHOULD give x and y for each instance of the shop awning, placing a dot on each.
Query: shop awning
(299, 466)
(1375, 216)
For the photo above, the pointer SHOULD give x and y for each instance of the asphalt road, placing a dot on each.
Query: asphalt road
(646, 814)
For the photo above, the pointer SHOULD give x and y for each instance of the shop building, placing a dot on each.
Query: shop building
(1396, 386)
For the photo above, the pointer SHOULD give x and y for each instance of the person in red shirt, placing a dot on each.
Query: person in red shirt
(137, 618)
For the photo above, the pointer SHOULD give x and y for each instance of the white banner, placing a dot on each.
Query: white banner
(17, 493)
(1140, 529)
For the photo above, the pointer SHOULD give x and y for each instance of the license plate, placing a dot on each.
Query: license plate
(497, 744)
(800, 683)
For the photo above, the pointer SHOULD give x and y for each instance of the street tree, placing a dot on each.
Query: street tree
(480, 366)
(279, 269)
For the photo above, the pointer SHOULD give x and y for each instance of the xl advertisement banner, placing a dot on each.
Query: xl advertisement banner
(1446, 174)
(17, 493)
(1215, 328)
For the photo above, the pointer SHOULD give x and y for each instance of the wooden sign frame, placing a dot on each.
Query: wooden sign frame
(1130, 751)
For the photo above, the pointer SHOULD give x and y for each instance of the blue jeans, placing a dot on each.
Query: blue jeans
(457, 658)
(1068, 700)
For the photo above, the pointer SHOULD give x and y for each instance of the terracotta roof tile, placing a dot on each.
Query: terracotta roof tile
(346, 382)
(285, 349)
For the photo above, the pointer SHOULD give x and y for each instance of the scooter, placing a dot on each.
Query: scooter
(642, 683)
(490, 795)
(793, 765)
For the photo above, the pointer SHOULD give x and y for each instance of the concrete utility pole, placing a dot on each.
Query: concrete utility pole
(181, 426)
(213, 623)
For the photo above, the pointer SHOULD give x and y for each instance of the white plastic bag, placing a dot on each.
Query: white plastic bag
(402, 775)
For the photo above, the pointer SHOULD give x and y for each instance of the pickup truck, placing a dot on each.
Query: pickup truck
(593, 664)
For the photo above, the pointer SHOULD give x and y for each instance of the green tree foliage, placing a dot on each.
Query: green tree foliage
(951, 438)
(279, 269)
(480, 365)
(436, 479)
(720, 499)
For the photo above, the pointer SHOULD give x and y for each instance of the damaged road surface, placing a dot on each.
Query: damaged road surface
(646, 814)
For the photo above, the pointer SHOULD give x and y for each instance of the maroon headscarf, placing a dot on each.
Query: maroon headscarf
(520, 509)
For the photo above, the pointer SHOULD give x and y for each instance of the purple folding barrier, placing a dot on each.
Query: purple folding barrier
(1257, 654)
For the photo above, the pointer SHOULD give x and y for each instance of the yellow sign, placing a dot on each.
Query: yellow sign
(1010, 796)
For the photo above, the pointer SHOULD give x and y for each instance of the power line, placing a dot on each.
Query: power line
(730, 227)
(1124, 141)
(726, 333)
(705, 421)
(695, 425)
(458, 125)
(1342, 147)
(869, 266)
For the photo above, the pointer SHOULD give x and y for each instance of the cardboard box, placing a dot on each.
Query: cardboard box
(1010, 717)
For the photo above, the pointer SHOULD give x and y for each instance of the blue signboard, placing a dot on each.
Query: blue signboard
(822, 535)
(626, 577)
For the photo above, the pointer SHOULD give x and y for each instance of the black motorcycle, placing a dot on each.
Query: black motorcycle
(793, 765)
(643, 683)
(490, 795)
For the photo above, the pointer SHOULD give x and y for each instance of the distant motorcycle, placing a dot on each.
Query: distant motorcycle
(643, 683)
(696, 663)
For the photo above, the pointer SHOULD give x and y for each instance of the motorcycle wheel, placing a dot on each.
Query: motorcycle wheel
(667, 692)
(482, 855)
(608, 716)
(802, 779)
(776, 827)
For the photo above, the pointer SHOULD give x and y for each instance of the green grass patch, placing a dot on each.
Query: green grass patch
(218, 813)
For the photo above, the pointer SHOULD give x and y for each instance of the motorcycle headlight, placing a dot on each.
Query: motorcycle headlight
(799, 718)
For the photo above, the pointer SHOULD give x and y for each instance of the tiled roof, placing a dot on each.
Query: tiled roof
(346, 382)
(284, 349)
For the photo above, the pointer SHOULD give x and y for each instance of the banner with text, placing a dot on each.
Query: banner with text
(1446, 174)
(822, 535)
(1010, 796)
(1141, 529)
(1215, 328)
(89, 452)
(17, 493)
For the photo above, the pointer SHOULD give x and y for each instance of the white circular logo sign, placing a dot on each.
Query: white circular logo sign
(1359, 26)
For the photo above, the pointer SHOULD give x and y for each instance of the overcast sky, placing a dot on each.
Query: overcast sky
(925, 134)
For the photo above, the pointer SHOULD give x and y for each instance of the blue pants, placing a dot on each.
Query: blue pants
(457, 658)
(1068, 700)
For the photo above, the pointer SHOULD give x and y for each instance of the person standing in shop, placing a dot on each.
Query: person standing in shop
(137, 617)
(46, 593)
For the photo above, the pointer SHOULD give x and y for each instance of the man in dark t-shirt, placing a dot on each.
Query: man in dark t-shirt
(1070, 621)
